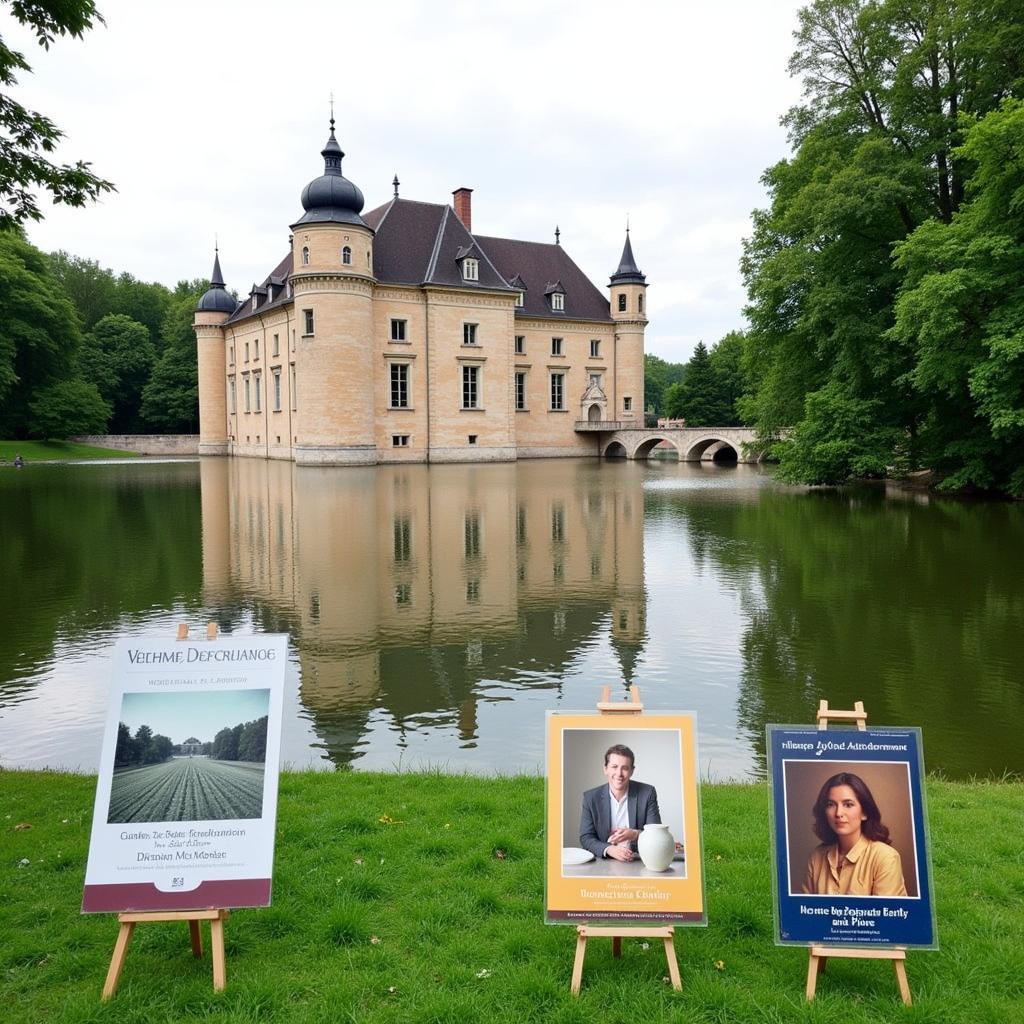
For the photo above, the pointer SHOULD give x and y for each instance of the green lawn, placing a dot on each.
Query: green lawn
(391, 903)
(56, 451)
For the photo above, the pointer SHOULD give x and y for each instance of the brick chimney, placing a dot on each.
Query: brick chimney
(464, 207)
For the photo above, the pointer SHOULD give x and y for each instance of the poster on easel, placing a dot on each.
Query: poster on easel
(623, 820)
(186, 799)
(850, 838)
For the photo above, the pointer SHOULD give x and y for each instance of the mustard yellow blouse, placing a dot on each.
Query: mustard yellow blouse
(871, 869)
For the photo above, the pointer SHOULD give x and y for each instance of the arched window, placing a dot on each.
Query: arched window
(622, 303)
(346, 256)
(305, 255)
(640, 303)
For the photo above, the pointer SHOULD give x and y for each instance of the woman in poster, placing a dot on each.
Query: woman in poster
(855, 857)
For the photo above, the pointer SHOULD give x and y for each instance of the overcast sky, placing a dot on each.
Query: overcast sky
(209, 117)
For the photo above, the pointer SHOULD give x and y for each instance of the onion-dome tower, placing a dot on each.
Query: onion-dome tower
(332, 284)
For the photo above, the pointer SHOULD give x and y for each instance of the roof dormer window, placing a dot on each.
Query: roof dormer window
(470, 269)
(270, 293)
(255, 301)
(520, 300)
(557, 302)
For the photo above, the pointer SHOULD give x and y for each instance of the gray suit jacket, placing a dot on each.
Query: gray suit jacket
(596, 817)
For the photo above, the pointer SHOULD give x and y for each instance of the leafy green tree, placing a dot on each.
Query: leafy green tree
(889, 86)
(117, 356)
(961, 311)
(727, 363)
(252, 745)
(90, 287)
(66, 408)
(28, 137)
(124, 750)
(38, 330)
(659, 376)
(171, 398)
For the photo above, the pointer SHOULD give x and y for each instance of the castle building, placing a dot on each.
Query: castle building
(402, 336)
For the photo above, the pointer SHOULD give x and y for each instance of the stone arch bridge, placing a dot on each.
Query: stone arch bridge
(693, 444)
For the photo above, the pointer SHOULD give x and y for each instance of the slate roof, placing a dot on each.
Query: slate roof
(276, 277)
(421, 243)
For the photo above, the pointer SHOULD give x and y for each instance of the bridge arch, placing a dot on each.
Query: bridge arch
(615, 450)
(646, 447)
(713, 449)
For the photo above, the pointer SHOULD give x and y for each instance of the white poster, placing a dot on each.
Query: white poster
(186, 800)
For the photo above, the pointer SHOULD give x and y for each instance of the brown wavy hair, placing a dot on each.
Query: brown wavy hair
(872, 828)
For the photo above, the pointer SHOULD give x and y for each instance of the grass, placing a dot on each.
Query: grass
(392, 904)
(57, 451)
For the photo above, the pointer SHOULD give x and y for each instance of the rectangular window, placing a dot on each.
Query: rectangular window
(556, 346)
(277, 391)
(248, 394)
(472, 439)
(295, 394)
(627, 404)
(247, 351)
(277, 344)
(308, 322)
(469, 334)
(622, 303)
(595, 348)
(470, 270)
(520, 344)
(558, 302)
(399, 440)
(231, 396)
(471, 387)
(398, 330)
(258, 402)
(520, 300)
(231, 352)
(399, 385)
(256, 349)
(557, 391)
(520, 390)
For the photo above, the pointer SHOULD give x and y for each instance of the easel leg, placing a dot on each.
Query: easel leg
(900, 967)
(673, 964)
(813, 963)
(124, 936)
(197, 938)
(617, 946)
(577, 967)
(217, 951)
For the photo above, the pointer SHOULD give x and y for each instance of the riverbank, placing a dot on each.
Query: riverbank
(419, 897)
(57, 451)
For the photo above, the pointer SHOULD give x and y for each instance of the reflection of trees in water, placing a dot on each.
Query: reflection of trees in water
(86, 547)
(915, 608)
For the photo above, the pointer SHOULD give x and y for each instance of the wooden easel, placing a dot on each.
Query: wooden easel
(216, 916)
(819, 955)
(616, 933)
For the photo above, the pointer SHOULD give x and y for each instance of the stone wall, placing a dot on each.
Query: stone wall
(144, 444)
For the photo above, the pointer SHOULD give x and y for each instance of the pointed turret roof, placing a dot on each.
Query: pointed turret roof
(628, 272)
(216, 299)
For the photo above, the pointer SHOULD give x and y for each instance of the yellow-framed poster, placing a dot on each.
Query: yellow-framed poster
(623, 838)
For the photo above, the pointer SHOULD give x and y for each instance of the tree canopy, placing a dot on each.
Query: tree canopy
(881, 171)
(28, 138)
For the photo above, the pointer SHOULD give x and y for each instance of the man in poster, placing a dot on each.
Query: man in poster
(614, 815)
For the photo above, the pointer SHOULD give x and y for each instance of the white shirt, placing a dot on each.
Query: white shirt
(620, 812)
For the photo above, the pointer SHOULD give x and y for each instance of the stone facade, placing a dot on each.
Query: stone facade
(402, 337)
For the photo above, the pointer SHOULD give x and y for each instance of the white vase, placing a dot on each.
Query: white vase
(656, 846)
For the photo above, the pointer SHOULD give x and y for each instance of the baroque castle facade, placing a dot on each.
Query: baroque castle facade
(402, 336)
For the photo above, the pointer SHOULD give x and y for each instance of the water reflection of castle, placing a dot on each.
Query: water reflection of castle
(406, 588)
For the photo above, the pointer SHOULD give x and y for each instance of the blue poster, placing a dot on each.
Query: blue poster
(850, 837)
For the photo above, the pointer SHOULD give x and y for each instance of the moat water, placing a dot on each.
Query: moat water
(436, 613)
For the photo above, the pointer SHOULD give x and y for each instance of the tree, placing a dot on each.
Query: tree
(38, 330)
(697, 399)
(170, 401)
(889, 89)
(252, 745)
(90, 287)
(66, 408)
(124, 751)
(658, 377)
(27, 136)
(727, 363)
(117, 356)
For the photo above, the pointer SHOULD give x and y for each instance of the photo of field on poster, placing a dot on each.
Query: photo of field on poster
(189, 756)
